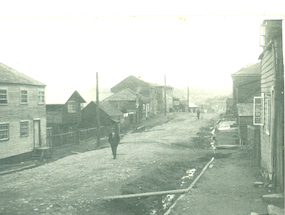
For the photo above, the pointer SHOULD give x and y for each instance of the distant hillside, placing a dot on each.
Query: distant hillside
(200, 96)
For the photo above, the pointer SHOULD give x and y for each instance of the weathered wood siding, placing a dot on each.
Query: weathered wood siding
(245, 88)
(89, 117)
(71, 118)
(267, 82)
(14, 112)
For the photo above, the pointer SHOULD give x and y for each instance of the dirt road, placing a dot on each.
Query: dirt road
(76, 184)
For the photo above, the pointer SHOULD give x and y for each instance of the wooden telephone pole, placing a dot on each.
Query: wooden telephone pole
(97, 111)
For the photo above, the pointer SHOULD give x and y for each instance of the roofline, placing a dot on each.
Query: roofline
(42, 85)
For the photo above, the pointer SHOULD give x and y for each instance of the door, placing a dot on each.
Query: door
(37, 133)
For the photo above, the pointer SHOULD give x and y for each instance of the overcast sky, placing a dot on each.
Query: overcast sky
(65, 48)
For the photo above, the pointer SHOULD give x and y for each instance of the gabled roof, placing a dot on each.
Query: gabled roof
(9, 75)
(62, 96)
(249, 70)
(108, 108)
(130, 82)
(245, 109)
(76, 97)
(126, 95)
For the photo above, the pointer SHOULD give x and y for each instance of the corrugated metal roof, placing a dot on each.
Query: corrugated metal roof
(126, 95)
(9, 75)
(245, 109)
(249, 70)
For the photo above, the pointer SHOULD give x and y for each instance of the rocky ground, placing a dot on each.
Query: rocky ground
(154, 160)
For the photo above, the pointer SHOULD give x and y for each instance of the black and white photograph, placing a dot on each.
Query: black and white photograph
(141, 108)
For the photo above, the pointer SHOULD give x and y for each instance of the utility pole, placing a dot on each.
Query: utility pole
(165, 95)
(187, 98)
(97, 111)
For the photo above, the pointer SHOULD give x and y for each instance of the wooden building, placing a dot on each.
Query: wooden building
(154, 92)
(65, 117)
(139, 86)
(246, 85)
(133, 104)
(269, 105)
(109, 115)
(22, 113)
(161, 90)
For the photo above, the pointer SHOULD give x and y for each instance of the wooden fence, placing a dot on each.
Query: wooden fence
(55, 140)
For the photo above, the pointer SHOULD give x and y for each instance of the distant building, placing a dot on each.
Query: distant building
(152, 91)
(133, 104)
(22, 113)
(65, 116)
(192, 107)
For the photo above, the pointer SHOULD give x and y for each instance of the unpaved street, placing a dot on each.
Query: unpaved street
(77, 183)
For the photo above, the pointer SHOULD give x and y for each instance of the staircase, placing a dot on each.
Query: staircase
(41, 153)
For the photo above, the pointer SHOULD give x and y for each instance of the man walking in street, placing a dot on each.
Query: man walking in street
(198, 113)
(114, 139)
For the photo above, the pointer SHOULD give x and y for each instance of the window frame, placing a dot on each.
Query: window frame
(27, 134)
(24, 95)
(8, 131)
(261, 104)
(267, 119)
(71, 104)
(4, 94)
(41, 98)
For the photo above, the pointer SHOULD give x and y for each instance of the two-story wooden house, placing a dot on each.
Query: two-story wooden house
(65, 117)
(22, 113)
(135, 105)
(139, 86)
(269, 105)
(154, 92)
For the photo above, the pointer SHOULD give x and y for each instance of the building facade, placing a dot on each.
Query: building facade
(64, 118)
(22, 113)
(269, 105)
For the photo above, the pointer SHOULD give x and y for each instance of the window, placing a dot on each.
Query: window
(3, 96)
(4, 131)
(24, 96)
(71, 106)
(24, 128)
(41, 97)
(258, 115)
(262, 35)
(147, 107)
